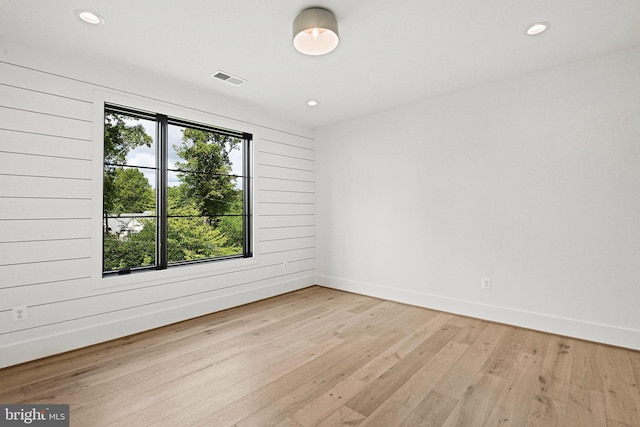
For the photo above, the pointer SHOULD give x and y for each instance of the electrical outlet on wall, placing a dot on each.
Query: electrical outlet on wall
(486, 283)
(19, 313)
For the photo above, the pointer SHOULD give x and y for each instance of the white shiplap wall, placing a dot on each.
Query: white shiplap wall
(50, 225)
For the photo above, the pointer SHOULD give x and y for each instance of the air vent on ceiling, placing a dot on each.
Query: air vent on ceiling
(229, 78)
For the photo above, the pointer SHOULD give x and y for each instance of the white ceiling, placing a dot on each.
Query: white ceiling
(391, 52)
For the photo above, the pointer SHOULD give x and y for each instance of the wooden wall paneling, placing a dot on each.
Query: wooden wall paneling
(267, 150)
(64, 316)
(270, 208)
(294, 232)
(279, 196)
(39, 102)
(43, 251)
(270, 221)
(36, 165)
(286, 173)
(24, 275)
(44, 187)
(45, 293)
(47, 252)
(45, 124)
(283, 143)
(37, 209)
(286, 244)
(289, 256)
(70, 279)
(44, 229)
(42, 81)
(27, 142)
(286, 160)
(283, 184)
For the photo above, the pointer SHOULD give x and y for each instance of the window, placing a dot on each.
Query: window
(174, 192)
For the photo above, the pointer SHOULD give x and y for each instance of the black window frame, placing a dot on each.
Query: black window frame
(162, 122)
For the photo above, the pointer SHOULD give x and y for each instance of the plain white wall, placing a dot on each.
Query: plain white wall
(533, 182)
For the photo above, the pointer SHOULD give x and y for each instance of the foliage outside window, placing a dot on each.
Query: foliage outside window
(174, 192)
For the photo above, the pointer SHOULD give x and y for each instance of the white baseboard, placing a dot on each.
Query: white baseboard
(20, 352)
(606, 334)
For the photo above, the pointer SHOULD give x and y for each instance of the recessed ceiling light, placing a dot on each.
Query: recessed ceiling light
(312, 103)
(538, 28)
(89, 17)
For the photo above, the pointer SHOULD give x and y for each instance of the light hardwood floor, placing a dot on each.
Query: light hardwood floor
(324, 357)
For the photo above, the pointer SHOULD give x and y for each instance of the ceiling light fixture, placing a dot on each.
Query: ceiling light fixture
(312, 103)
(315, 31)
(538, 28)
(89, 17)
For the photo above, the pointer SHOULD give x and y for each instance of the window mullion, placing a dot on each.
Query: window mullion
(246, 196)
(161, 191)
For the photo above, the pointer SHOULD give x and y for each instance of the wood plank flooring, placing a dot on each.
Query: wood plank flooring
(321, 357)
